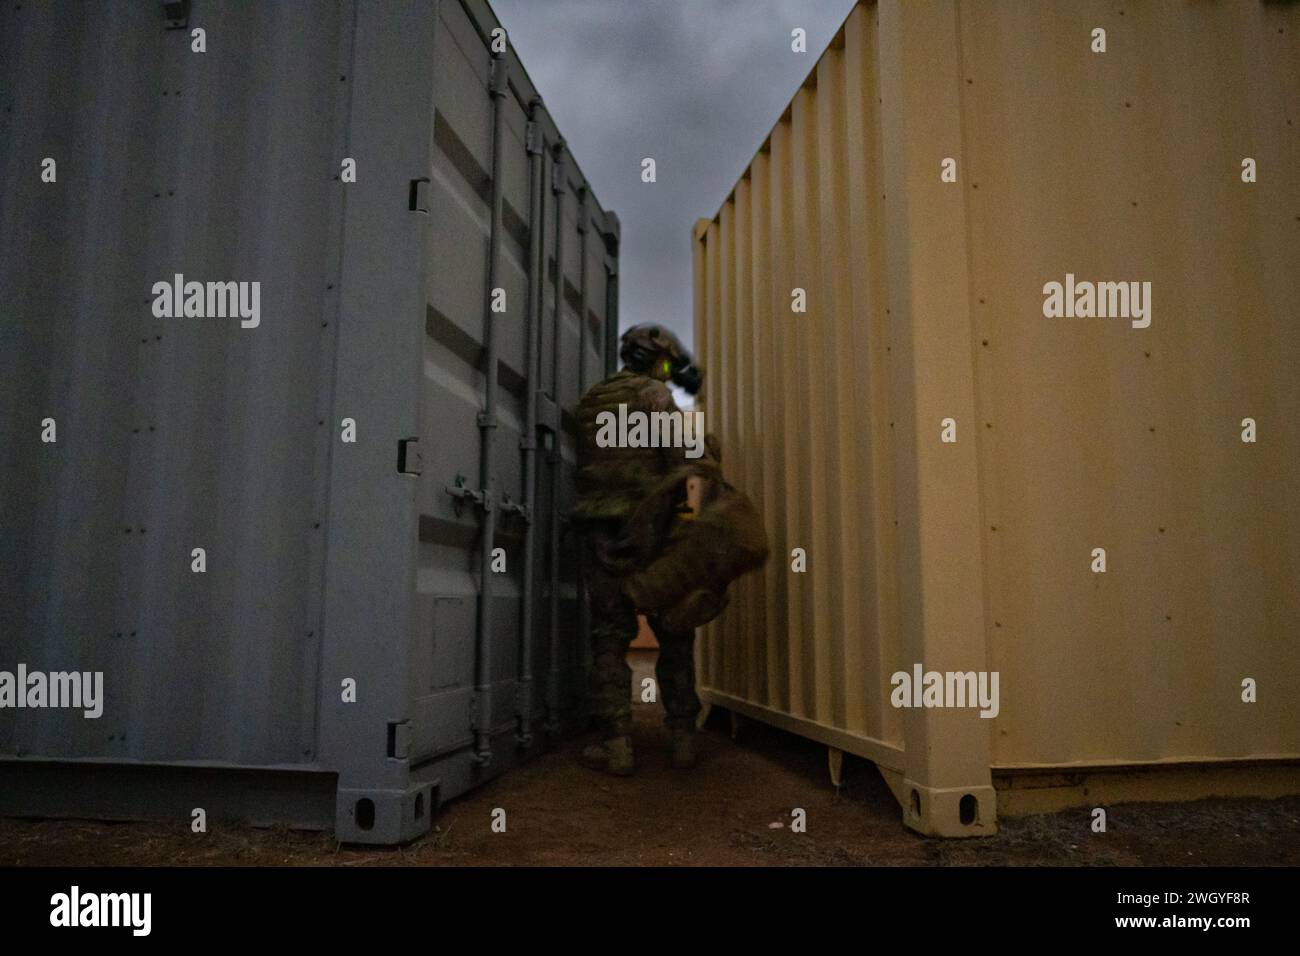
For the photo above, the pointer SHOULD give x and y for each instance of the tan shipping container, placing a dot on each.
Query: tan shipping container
(925, 319)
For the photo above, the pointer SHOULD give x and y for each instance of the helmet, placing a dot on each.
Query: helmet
(642, 345)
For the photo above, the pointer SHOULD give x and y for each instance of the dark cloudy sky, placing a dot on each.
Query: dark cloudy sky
(695, 84)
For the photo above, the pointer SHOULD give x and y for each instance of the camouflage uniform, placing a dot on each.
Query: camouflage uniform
(613, 627)
(611, 483)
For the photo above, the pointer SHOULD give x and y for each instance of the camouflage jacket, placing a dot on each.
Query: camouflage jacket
(611, 482)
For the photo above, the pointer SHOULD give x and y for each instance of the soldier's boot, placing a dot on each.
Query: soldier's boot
(613, 756)
(682, 746)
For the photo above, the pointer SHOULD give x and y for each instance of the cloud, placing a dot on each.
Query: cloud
(695, 84)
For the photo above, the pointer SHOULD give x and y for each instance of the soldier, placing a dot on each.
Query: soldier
(611, 483)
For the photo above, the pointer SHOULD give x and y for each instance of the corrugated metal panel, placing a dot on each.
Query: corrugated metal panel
(324, 561)
(925, 302)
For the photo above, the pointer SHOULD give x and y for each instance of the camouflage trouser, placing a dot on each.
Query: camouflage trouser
(613, 628)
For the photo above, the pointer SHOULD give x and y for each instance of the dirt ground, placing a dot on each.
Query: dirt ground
(720, 814)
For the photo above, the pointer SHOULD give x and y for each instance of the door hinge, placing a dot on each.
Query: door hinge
(498, 82)
(533, 137)
(559, 177)
(582, 210)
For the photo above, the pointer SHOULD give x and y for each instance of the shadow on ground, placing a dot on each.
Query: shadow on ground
(720, 814)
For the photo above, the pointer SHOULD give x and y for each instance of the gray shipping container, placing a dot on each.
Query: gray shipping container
(330, 564)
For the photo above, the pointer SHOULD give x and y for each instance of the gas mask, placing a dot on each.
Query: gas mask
(642, 345)
(688, 377)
